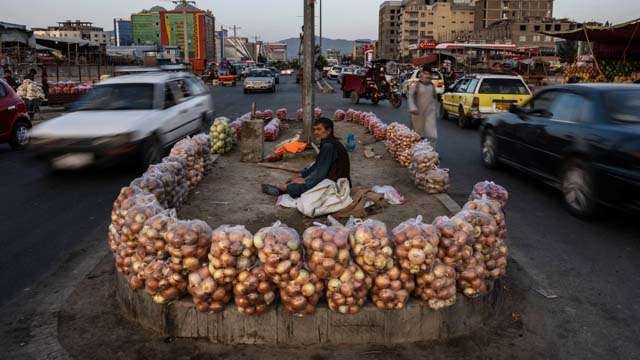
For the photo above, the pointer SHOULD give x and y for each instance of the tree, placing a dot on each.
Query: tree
(321, 62)
(567, 51)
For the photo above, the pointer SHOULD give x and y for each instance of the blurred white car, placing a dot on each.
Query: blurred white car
(345, 70)
(260, 80)
(286, 72)
(135, 117)
(334, 72)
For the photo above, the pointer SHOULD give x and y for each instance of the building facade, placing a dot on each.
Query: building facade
(276, 51)
(167, 28)
(389, 19)
(122, 32)
(525, 34)
(488, 12)
(76, 30)
(434, 21)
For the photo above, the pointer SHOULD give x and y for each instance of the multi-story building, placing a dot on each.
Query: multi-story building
(122, 32)
(167, 28)
(491, 11)
(75, 30)
(276, 51)
(433, 21)
(333, 54)
(526, 33)
(389, 19)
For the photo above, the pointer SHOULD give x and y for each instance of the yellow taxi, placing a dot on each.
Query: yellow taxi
(474, 97)
(436, 78)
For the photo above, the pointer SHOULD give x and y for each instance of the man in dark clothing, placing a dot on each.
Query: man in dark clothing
(331, 163)
(8, 77)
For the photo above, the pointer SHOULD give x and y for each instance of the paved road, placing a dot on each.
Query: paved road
(591, 267)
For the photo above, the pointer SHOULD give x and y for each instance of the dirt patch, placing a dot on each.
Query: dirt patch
(231, 193)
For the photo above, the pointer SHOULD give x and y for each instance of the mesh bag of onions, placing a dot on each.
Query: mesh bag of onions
(144, 207)
(491, 190)
(188, 149)
(348, 115)
(370, 245)
(492, 208)
(272, 130)
(253, 293)
(187, 242)
(151, 183)
(339, 115)
(280, 251)
(496, 261)
(391, 289)
(163, 283)
(471, 276)
(181, 190)
(204, 151)
(122, 203)
(166, 174)
(281, 114)
(484, 231)
(327, 249)
(347, 292)
(416, 245)
(151, 246)
(267, 114)
(378, 129)
(400, 141)
(437, 287)
(232, 251)
(207, 294)
(435, 181)
(301, 293)
(455, 242)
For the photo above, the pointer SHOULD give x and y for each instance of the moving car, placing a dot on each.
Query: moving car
(347, 70)
(260, 80)
(583, 139)
(14, 120)
(436, 78)
(473, 98)
(334, 72)
(226, 77)
(286, 72)
(129, 117)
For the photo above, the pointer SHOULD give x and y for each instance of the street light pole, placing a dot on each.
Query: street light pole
(320, 27)
(308, 68)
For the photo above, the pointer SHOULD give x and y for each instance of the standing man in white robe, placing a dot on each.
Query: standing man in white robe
(424, 107)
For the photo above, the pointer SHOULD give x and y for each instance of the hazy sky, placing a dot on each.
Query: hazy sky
(274, 19)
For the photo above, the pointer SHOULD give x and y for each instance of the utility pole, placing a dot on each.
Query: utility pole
(320, 27)
(221, 43)
(308, 68)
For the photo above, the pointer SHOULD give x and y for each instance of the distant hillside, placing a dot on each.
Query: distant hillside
(344, 46)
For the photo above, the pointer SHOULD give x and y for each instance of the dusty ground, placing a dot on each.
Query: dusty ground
(231, 193)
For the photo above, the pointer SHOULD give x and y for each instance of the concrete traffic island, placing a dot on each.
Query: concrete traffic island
(415, 323)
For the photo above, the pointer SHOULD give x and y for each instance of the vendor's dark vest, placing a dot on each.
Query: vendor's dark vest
(341, 168)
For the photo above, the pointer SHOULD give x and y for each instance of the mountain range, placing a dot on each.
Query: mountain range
(344, 46)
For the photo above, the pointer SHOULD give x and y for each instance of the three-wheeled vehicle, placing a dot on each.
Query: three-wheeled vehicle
(375, 85)
(226, 77)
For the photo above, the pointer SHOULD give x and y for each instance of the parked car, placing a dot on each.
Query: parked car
(583, 139)
(260, 80)
(128, 117)
(334, 72)
(436, 78)
(14, 120)
(276, 74)
(474, 97)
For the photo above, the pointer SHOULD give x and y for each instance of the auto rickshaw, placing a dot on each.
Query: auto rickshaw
(375, 85)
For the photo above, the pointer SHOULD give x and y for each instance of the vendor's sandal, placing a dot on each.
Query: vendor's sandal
(271, 190)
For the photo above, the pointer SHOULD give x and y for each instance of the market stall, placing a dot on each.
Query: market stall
(615, 51)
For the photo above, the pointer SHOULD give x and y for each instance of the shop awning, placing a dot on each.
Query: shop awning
(425, 60)
(621, 33)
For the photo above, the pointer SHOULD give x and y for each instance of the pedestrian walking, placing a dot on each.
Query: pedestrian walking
(424, 107)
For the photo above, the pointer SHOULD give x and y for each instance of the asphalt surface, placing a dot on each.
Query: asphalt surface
(588, 270)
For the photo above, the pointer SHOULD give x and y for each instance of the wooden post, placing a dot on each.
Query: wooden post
(308, 69)
(252, 141)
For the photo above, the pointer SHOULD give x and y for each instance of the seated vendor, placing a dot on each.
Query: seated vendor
(332, 163)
